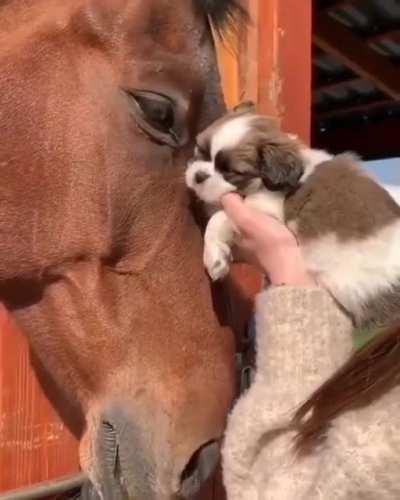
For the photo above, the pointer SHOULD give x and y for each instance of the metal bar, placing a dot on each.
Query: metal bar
(46, 489)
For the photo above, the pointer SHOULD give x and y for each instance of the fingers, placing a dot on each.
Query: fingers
(249, 221)
(241, 215)
(254, 224)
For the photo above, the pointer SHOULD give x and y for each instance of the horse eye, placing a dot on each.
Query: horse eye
(158, 112)
(155, 114)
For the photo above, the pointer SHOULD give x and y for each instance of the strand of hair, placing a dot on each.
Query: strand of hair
(368, 374)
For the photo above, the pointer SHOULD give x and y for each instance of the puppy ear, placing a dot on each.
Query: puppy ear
(245, 107)
(280, 167)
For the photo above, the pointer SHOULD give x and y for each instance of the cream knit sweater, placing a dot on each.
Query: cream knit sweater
(302, 337)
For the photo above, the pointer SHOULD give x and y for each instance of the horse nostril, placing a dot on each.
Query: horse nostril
(199, 468)
(112, 479)
(200, 177)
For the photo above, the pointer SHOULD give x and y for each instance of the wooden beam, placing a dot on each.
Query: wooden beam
(371, 141)
(334, 4)
(393, 35)
(336, 39)
(359, 108)
(337, 84)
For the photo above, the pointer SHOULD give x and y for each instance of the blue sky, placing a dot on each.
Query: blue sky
(387, 171)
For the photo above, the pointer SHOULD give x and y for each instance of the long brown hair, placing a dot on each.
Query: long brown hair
(371, 371)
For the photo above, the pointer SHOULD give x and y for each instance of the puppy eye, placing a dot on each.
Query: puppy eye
(222, 163)
(203, 153)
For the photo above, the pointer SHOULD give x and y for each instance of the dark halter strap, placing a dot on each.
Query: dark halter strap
(245, 357)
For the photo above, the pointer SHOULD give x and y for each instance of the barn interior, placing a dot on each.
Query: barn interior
(356, 77)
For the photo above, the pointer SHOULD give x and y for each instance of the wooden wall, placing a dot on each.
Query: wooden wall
(34, 443)
(272, 66)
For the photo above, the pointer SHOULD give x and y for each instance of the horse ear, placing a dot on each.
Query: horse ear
(280, 166)
(245, 107)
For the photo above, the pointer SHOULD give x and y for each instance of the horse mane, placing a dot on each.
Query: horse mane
(224, 15)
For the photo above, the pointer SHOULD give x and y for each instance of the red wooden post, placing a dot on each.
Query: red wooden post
(272, 68)
(273, 62)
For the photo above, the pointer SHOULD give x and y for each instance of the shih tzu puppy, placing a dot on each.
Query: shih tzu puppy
(347, 224)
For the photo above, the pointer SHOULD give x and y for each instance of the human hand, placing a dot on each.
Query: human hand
(269, 242)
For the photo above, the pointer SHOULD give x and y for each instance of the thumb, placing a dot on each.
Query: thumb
(239, 213)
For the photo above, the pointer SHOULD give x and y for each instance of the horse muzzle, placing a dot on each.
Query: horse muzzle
(131, 463)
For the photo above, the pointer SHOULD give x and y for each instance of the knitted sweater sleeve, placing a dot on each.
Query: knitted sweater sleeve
(302, 338)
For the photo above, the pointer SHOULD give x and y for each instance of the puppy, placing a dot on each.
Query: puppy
(347, 225)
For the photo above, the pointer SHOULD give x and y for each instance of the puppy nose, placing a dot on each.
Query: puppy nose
(200, 177)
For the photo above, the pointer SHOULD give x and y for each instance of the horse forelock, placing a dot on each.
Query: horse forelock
(224, 15)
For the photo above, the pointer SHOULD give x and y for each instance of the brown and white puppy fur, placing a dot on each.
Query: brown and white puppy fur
(347, 224)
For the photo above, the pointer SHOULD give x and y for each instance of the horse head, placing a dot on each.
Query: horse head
(100, 258)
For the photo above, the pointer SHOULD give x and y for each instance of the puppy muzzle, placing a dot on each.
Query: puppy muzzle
(208, 184)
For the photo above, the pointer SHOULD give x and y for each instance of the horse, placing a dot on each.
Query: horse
(100, 255)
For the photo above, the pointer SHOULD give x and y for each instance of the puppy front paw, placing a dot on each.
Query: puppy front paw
(217, 259)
